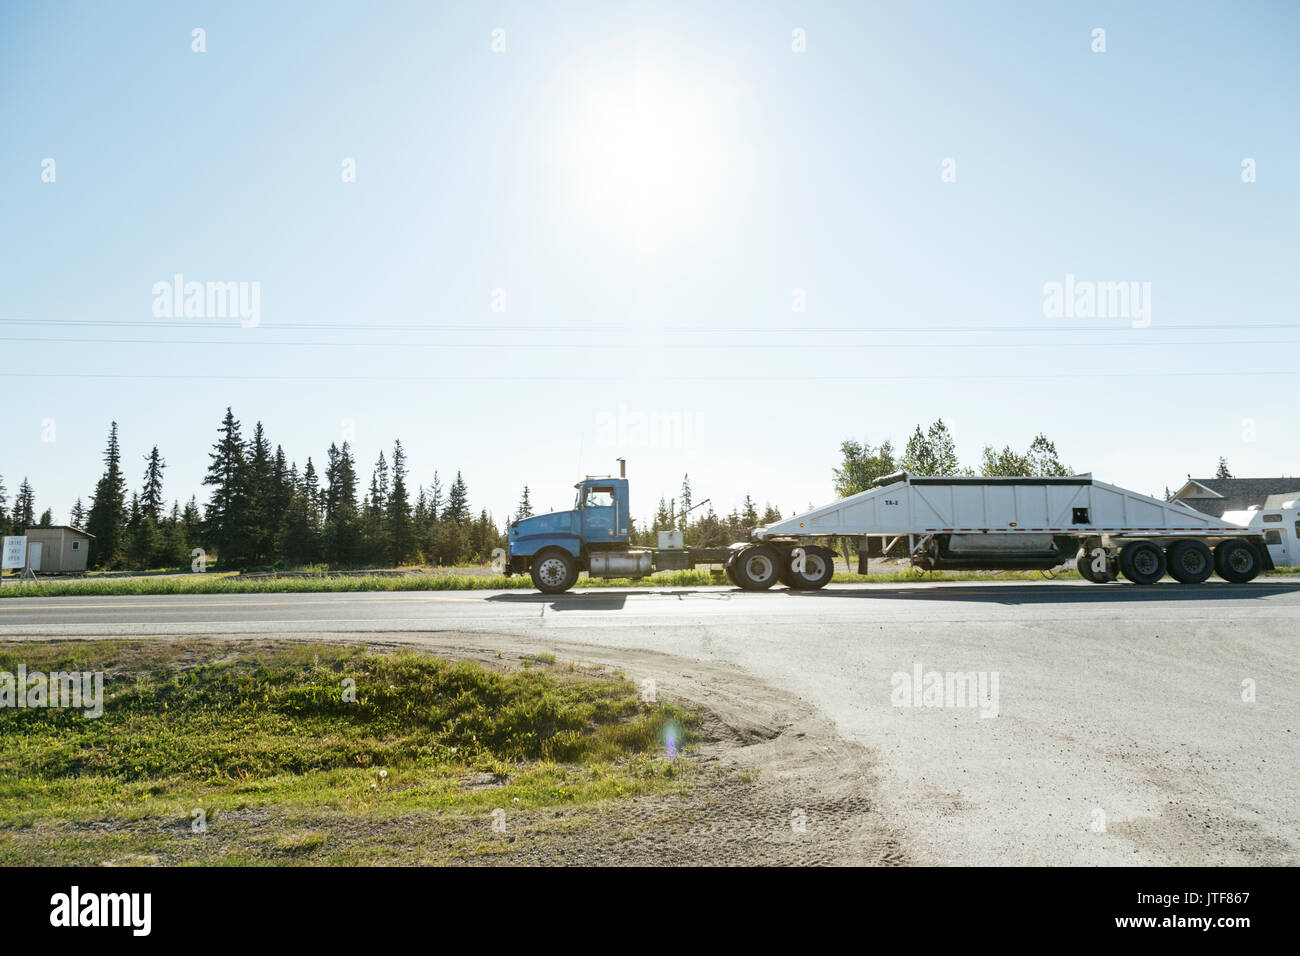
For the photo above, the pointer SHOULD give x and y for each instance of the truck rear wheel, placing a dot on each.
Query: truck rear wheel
(1142, 562)
(554, 571)
(1236, 561)
(1190, 561)
(757, 568)
(818, 569)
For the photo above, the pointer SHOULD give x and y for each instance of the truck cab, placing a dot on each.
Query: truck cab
(555, 547)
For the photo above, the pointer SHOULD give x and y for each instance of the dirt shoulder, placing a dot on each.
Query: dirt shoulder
(767, 782)
(775, 784)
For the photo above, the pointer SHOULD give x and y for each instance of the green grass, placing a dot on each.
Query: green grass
(233, 584)
(205, 584)
(266, 729)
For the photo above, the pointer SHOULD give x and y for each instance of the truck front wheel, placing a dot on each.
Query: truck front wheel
(554, 571)
(757, 568)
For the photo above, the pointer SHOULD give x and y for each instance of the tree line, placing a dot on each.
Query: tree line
(265, 511)
(932, 451)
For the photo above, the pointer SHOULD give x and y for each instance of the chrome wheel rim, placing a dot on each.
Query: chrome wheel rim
(551, 571)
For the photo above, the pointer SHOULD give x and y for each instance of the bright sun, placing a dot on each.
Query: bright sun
(647, 158)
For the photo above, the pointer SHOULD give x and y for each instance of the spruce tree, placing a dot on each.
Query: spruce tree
(106, 522)
(342, 524)
(400, 538)
(457, 510)
(262, 496)
(227, 516)
(151, 497)
(24, 507)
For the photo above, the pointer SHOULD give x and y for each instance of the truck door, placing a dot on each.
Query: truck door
(598, 518)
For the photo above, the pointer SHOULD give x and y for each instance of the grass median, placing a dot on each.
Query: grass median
(258, 752)
(234, 584)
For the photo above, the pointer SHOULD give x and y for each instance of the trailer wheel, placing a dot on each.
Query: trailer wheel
(757, 568)
(730, 570)
(1142, 562)
(554, 571)
(1190, 561)
(1083, 564)
(1236, 561)
(819, 568)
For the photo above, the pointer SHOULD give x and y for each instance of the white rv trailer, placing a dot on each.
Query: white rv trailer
(1279, 523)
(1001, 523)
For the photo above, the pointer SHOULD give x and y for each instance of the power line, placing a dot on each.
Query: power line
(1250, 373)
(1218, 343)
(187, 324)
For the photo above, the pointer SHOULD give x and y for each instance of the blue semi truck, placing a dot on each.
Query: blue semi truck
(596, 537)
(938, 523)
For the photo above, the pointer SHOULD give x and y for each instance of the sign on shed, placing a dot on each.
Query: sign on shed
(15, 555)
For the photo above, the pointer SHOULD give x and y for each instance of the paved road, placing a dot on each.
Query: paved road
(1121, 734)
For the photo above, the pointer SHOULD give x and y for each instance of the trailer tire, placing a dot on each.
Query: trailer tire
(1236, 561)
(730, 570)
(819, 568)
(1083, 564)
(1142, 562)
(554, 571)
(757, 568)
(1190, 561)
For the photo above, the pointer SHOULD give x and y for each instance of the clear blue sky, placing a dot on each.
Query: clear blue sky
(649, 184)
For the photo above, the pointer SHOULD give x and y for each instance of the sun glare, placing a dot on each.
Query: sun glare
(648, 158)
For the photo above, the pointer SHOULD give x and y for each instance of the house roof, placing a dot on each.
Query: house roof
(58, 527)
(1214, 496)
(1257, 487)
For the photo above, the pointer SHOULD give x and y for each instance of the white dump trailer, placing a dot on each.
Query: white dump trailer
(1004, 523)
